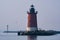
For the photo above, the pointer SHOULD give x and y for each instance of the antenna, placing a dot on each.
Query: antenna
(7, 28)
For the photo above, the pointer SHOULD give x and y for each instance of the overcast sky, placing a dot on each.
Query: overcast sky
(14, 13)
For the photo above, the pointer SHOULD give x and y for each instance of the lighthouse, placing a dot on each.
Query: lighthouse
(32, 19)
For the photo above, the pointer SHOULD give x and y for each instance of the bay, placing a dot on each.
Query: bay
(10, 36)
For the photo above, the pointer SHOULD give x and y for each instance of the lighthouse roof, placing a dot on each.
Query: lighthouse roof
(32, 9)
(32, 5)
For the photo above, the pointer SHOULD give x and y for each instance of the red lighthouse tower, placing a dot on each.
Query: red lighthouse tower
(32, 19)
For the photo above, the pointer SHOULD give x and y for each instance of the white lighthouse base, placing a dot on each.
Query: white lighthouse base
(32, 28)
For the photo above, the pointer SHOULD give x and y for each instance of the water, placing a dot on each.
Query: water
(5, 36)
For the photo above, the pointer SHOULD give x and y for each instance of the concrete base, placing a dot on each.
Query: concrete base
(32, 28)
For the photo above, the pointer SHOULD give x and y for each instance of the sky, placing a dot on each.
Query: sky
(14, 14)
